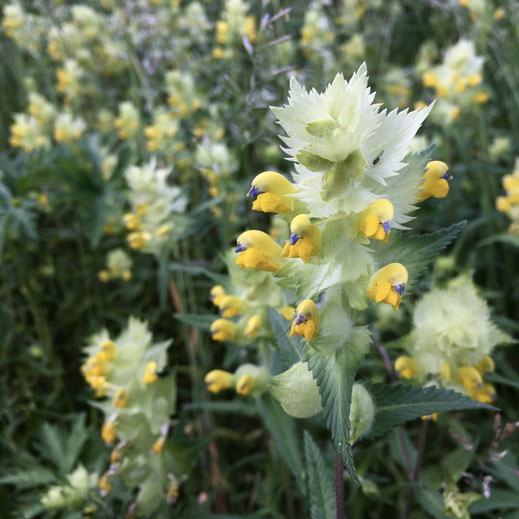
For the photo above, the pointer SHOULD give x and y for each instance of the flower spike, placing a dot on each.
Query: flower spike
(268, 191)
(305, 239)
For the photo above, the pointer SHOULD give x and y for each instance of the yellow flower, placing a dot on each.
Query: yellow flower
(485, 365)
(429, 80)
(405, 367)
(469, 377)
(475, 79)
(454, 113)
(120, 398)
(132, 222)
(486, 393)
(446, 371)
(100, 385)
(306, 322)
(305, 239)
(502, 204)
(103, 275)
(375, 221)
(222, 330)
(162, 230)
(108, 350)
(481, 98)
(217, 294)
(150, 375)
(222, 28)
(245, 384)
(433, 417)
(105, 486)
(231, 306)
(258, 251)
(269, 190)
(436, 181)
(138, 240)
(287, 312)
(108, 432)
(250, 28)
(388, 284)
(498, 14)
(253, 326)
(158, 445)
(218, 379)
(217, 53)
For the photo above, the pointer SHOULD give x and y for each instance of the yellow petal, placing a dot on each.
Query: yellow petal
(255, 259)
(382, 290)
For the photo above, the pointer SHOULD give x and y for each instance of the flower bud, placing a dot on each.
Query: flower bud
(362, 412)
(296, 391)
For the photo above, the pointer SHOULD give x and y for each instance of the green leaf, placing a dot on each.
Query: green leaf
(399, 403)
(498, 500)
(414, 252)
(237, 407)
(282, 428)
(290, 350)
(334, 373)
(320, 481)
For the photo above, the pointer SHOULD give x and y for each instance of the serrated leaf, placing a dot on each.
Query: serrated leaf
(290, 350)
(320, 481)
(282, 428)
(334, 373)
(414, 252)
(399, 403)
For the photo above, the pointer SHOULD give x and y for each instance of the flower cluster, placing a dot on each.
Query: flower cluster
(158, 208)
(509, 204)
(456, 82)
(118, 265)
(452, 341)
(137, 407)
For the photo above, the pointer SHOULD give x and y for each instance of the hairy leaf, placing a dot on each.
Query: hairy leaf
(334, 373)
(320, 481)
(282, 428)
(399, 403)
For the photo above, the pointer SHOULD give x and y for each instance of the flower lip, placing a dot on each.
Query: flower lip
(447, 177)
(399, 288)
(240, 248)
(294, 238)
(300, 318)
(254, 191)
(386, 226)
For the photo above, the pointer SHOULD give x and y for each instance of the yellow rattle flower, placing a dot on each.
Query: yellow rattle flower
(218, 379)
(436, 181)
(120, 398)
(469, 377)
(269, 190)
(150, 375)
(245, 384)
(305, 239)
(230, 306)
(253, 326)
(108, 432)
(388, 284)
(486, 365)
(306, 322)
(258, 251)
(222, 330)
(405, 367)
(217, 294)
(375, 220)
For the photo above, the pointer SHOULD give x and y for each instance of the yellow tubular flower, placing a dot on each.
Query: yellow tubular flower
(258, 251)
(287, 312)
(305, 239)
(109, 350)
(269, 190)
(486, 365)
(120, 398)
(217, 294)
(217, 380)
(436, 181)
(433, 417)
(485, 394)
(231, 306)
(222, 330)
(108, 432)
(253, 326)
(105, 486)
(388, 284)
(244, 385)
(150, 375)
(306, 322)
(405, 367)
(375, 221)
(158, 445)
(446, 371)
(469, 377)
